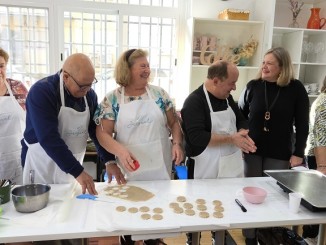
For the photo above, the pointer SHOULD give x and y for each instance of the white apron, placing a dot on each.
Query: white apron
(12, 124)
(141, 128)
(73, 128)
(220, 161)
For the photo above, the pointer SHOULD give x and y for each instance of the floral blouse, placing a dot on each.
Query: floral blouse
(317, 125)
(109, 107)
(19, 91)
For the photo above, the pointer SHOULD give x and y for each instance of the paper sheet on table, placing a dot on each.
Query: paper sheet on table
(272, 202)
(112, 220)
(57, 200)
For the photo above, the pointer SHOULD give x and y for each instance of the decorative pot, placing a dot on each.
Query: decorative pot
(315, 22)
(243, 61)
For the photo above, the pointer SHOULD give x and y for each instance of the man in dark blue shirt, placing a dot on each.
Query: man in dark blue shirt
(59, 121)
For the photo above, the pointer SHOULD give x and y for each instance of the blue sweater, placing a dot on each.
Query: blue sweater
(42, 109)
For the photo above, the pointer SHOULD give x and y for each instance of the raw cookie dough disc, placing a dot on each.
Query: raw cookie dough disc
(203, 215)
(218, 215)
(145, 216)
(144, 209)
(178, 210)
(190, 212)
(181, 199)
(173, 205)
(217, 203)
(133, 210)
(200, 201)
(120, 208)
(158, 210)
(188, 205)
(201, 207)
(157, 217)
(219, 208)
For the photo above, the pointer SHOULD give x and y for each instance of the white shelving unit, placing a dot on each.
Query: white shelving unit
(203, 21)
(268, 23)
(228, 34)
(307, 47)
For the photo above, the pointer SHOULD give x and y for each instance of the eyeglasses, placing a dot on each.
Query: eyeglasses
(82, 87)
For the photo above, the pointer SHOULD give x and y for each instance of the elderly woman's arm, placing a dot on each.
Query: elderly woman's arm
(104, 134)
(177, 137)
(320, 154)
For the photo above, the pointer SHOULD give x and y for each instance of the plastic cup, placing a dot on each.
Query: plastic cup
(294, 201)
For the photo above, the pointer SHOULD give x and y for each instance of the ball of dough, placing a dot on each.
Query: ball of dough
(133, 210)
(144, 209)
(157, 216)
(120, 208)
(190, 212)
(181, 199)
(158, 210)
(145, 216)
(204, 215)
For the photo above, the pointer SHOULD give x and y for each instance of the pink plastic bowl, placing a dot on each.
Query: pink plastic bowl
(254, 194)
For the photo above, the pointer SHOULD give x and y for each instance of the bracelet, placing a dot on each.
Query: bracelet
(110, 163)
(175, 143)
(321, 166)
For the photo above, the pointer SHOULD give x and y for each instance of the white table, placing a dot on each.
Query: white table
(66, 217)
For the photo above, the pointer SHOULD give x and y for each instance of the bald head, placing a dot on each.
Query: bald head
(78, 74)
(79, 66)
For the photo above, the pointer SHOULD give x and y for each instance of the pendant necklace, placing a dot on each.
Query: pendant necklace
(268, 109)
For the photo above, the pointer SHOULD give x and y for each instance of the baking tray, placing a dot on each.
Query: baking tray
(310, 183)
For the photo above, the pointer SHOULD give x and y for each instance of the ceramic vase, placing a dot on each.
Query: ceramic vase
(315, 22)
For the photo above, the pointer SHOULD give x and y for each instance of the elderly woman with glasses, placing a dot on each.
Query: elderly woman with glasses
(59, 121)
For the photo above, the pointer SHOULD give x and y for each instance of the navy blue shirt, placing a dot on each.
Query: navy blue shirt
(42, 109)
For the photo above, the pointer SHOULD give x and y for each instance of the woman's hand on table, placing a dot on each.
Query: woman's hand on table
(114, 170)
(87, 183)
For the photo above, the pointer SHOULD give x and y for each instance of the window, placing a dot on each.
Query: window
(102, 29)
(95, 35)
(160, 3)
(98, 35)
(24, 35)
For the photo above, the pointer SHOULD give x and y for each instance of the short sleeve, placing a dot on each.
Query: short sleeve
(162, 98)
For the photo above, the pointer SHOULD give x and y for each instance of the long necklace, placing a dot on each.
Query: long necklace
(268, 109)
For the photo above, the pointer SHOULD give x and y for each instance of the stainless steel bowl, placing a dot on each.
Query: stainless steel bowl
(30, 198)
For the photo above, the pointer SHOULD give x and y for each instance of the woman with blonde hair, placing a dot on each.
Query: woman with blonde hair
(274, 103)
(134, 123)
